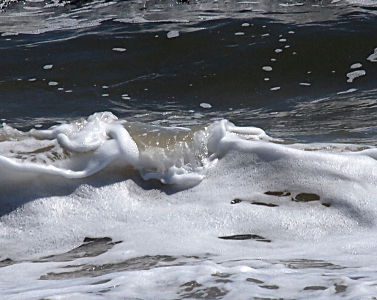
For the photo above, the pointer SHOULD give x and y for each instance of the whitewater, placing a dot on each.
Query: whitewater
(103, 208)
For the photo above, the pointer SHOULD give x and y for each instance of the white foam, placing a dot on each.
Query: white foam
(373, 56)
(47, 67)
(107, 142)
(356, 66)
(347, 91)
(319, 249)
(119, 49)
(172, 34)
(205, 105)
(355, 74)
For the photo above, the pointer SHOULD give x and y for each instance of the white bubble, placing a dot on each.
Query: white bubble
(267, 68)
(118, 49)
(305, 83)
(240, 33)
(373, 56)
(282, 40)
(278, 50)
(172, 34)
(205, 105)
(245, 24)
(47, 67)
(53, 83)
(32, 79)
(352, 75)
(356, 66)
(105, 95)
(275, 88)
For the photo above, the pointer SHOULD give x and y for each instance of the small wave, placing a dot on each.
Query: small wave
(79, 149)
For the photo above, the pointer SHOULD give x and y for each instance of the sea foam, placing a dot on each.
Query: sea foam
(231, 209)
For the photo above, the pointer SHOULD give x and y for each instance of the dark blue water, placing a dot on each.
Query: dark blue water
(69, 60)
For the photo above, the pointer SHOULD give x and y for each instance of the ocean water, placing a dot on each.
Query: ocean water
(188, 149)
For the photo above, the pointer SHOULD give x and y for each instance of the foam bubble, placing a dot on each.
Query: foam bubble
(119, 49)
(267, 68)
(356, 66)
(373, 56)
(172, 34)
(205, 105)
(355, 74)
(47, 67)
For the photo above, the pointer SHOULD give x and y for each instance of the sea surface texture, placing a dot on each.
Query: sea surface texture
(188, 149)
